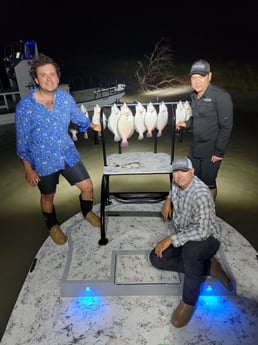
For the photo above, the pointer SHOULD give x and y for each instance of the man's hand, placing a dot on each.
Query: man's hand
(32, 177)
(95, 127)
(162, 245)
(30, 174)
(166, 210)
(215, 159)
(180, 124)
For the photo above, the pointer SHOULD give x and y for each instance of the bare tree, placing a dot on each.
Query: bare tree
(156, 71)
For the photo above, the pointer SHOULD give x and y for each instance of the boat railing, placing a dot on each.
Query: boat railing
(7, 98)
(100, 92)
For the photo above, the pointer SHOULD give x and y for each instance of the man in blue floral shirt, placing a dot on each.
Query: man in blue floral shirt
(45, 146)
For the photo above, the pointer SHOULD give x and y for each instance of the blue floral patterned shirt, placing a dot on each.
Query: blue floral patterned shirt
(42, 135)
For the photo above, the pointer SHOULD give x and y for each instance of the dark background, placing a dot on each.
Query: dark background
(218, 29)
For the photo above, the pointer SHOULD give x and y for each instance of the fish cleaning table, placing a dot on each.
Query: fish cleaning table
(145, 149)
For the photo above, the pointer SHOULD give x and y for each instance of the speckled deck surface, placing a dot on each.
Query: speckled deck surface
(43, 316)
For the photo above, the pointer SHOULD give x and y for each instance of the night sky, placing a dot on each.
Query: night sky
(213, 30)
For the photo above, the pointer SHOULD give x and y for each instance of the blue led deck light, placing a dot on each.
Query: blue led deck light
(209, 288)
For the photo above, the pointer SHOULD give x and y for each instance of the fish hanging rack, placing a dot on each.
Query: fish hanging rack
(125, 161)
(172, 118)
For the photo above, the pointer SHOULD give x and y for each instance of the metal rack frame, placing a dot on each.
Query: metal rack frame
(137, 197)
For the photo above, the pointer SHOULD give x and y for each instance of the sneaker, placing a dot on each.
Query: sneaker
(93, 219)
(57, 235)
(182, 314)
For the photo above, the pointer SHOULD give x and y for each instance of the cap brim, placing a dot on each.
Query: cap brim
(198, 72)
(182, 169)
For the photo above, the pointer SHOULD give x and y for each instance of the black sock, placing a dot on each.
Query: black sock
(50, 219)
(86, 206)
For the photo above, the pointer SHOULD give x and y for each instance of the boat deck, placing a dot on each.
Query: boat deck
(43, 315)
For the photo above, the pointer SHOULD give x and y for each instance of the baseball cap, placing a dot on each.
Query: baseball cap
(182, 163)
(201, 67)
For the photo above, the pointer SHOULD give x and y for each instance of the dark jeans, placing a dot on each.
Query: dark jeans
(206, 170)
(192, 259)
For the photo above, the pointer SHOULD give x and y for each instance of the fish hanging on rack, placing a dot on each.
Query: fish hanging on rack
(188, 110)
(162, 119)
(139, 119)
(74, 128)
(180, 112)
(125, 124)
(85, 112)
(183, 111)
(150, 119)
(96, 119)
(96, 116)
(74, 133)
(113, 120)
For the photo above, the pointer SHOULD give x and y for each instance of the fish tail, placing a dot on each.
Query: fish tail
(74, 136)
(149, 134)
(124, 143)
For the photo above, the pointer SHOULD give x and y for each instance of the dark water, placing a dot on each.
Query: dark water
(22, 227)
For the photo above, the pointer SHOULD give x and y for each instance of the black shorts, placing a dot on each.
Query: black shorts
(206, 170)
(75, 174)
